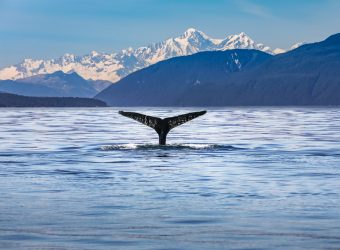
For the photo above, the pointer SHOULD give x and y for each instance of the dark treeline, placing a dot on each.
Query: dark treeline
(12, 100)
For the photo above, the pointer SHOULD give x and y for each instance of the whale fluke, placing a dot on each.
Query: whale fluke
(162, 126)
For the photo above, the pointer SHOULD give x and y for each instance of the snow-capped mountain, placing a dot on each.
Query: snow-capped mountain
(297, 45)
(308, 75)
(112, 67)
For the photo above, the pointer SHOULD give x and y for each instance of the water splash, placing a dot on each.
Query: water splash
(131, 146)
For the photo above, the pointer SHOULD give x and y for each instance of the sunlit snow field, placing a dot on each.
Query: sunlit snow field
(235, 178)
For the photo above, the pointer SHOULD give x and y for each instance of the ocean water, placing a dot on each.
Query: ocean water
(235, 178)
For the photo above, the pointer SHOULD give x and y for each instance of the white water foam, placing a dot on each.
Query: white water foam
(191, 146)
(119, 147)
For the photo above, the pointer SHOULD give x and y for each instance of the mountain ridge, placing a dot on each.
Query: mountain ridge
(112, 67)
(165, 83)
(307, 75)
(57, 84)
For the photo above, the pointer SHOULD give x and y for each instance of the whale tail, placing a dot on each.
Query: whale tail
(162, 126)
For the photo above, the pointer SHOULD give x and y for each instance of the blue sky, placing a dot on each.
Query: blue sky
(50, 28)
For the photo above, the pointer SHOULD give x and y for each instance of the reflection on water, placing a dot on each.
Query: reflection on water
(255, 178)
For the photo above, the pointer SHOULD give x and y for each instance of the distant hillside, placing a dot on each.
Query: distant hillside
(187, 80)
(308, 75)
(12, 100)
(57, 84)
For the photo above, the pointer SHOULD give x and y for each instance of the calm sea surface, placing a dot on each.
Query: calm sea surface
(235, 178)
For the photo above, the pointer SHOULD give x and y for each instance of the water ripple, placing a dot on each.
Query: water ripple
(246, 178)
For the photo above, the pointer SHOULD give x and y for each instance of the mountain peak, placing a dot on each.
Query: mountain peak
(94, 53)
(243, 34)
(194, 32)
(191, 30)
(112, 67)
